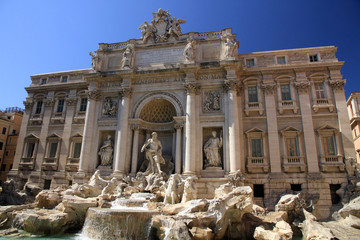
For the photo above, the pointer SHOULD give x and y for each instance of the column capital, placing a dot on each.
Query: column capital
(231, 85)
(302, 86)
(268, 88)
(135, 127)
(28, 103)
(125, 92)
(192, 88)
(49, 102)
(178, 125)
(94, 94)
(338, 84)
(71, 101)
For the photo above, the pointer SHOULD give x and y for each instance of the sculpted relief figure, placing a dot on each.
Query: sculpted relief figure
(230, 47)
(162, 27)
(126, 62)
(212, 153)
(110, 108)
(212, 101)
(189, 51)
(106, 152)
(147, 31)
(153, 154)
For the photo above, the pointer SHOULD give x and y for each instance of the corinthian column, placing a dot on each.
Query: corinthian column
(135, 149)
(122, 133)
(90, 117)
(190, 128)
(233, 124)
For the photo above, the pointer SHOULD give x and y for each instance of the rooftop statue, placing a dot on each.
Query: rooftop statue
(162, 27)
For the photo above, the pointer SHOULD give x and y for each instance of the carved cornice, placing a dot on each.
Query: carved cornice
(192, 88)
(337, 84)
(135, 127)
(49, 102)
(268, 88)
(71, 101)
(94, 95)
(302, 86)
(125, 92)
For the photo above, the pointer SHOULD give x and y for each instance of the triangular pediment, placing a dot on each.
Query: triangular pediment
(31, 136)
(54, 135)
(254, 130)
(290, 129)
(326, 128)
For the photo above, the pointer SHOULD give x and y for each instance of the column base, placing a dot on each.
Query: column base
(118, 174)
(189, 173)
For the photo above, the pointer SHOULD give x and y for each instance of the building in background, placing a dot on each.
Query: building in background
(277, 117)
(353, 103)
(10, 123)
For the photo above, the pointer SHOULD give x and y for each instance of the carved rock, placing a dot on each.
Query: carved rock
(48, 199)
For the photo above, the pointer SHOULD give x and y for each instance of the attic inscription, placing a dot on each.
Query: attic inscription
(211, 76)
(156, 80)
(172, 55)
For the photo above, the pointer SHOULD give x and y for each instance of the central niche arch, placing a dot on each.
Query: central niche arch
(162, 104)
(158, 110)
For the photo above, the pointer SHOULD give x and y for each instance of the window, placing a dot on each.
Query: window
(10, 167)
(43, 81)
(83, 104)
(77, 150)
(64, 79)
(3, 167)
(47, 184)
(4, 131)
(259, 190)
(7, 153)
(285, 92)
(60, 106)
(335, 198)
(256, 148)
(281, 60)
(250, 62)
(331, 145)
(38, 107)
(252, 91)
(319, 90)
(313, 58)
(296, 187)
(53, 149)
(13, 132)
(30, 149)
(292, 147)
(9, 142)
(1, 145)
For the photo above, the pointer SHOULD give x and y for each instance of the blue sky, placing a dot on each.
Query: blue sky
(49, 36)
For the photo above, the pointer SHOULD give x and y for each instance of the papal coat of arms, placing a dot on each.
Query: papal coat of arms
(162, 27)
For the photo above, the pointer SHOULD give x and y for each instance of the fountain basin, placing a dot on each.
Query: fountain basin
(113, 224)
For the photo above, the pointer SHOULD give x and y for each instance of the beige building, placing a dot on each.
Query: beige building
(10, 123)
(278, 117)
(354, 116)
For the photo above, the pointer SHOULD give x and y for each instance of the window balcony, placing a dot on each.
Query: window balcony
(36, 119)
(254, 107)
(292, 164)
(58, 118)
(72, 164)
(27, 163)
(257, 165)
(80, 117)
(323, 103)
(332, 163)
(50, 164)
(288, 105)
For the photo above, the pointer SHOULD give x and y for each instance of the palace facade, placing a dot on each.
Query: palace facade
(277, 117)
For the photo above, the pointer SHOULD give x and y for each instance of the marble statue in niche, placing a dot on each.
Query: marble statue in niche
(153, 153)
(212, 151)
(109, 108)
(106, 152)
(212, 101)
(189, 51)
(127, 59)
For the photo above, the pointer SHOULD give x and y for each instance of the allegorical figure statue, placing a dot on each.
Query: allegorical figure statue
(106, 152)
(212, 153)
(230, 46)
(153, 154)
(189, 51)
(126, 61)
